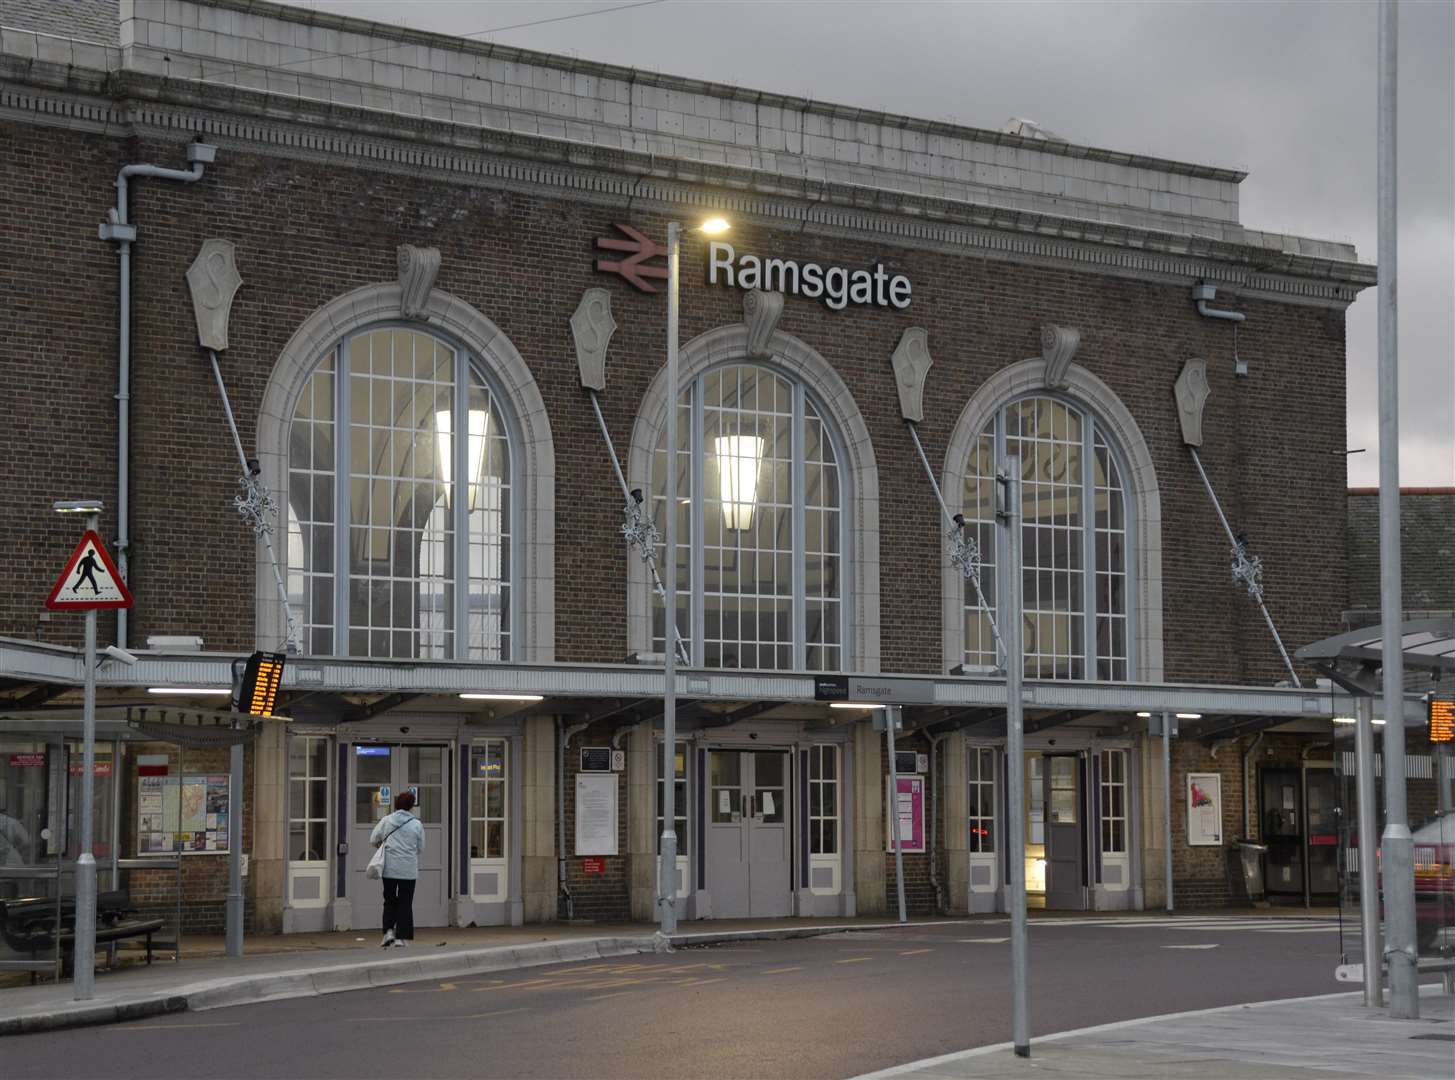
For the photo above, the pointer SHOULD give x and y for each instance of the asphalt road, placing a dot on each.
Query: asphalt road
(831, 1006)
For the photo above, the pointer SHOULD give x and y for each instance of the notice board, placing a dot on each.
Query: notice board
(182, 813)
(596, 813)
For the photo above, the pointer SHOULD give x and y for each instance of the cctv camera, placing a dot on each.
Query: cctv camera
(117, 653)
(404, 731)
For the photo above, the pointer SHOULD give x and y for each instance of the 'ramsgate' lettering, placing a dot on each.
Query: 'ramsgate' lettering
(834, 285)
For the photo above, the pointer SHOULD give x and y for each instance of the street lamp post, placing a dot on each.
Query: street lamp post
(667, 870)
(667, 874)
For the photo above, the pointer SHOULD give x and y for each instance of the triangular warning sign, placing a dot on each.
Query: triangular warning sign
(90, 580)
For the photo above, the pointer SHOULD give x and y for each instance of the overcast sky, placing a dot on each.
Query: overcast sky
(1284, 91)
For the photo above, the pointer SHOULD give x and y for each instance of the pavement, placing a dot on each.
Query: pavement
(276, 967)
(1328, 1036)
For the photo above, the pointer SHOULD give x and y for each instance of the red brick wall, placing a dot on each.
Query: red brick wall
(307, 232)
(604, 897)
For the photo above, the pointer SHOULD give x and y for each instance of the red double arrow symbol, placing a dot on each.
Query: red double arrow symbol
(642, 248)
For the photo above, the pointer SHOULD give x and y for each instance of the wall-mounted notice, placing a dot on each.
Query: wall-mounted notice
(181, 813)
(908, 815)
(1204, 809)
(595, 814)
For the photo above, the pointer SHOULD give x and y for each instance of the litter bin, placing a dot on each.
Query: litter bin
(1250, 861)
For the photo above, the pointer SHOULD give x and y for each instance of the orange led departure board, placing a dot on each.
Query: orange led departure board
(1442, 719)
(261, 680)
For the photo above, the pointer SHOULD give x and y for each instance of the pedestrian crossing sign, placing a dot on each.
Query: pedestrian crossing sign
(90, 580)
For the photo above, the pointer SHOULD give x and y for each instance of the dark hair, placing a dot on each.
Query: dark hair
(404, 800)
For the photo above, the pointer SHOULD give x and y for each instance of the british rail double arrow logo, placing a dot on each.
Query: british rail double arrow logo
(634, 268)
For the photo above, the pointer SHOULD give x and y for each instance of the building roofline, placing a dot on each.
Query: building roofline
(683, 84)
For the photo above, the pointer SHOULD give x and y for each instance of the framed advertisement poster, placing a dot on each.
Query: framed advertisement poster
(908, 814)
(1204, 809)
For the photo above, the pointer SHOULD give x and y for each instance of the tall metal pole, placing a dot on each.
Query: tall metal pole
(667, 876)
(1397, 846)
(892, 714)
(1368, 824)
(84, 983)
(233, 908)
(1167, 806)
(1009, 594)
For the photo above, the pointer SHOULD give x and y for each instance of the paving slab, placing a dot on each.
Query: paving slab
(1319, 1038)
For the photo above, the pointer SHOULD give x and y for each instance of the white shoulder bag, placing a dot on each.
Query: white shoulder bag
(375, 870)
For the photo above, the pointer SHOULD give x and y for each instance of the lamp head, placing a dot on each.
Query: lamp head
(77, 506)
(714, 226)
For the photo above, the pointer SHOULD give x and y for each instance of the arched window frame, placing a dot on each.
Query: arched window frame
(1088, 395)
(344, 516)
(521, 405)
(858, 471)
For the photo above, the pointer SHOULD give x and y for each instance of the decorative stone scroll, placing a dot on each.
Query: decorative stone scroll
(1058, 346)
(418, 267)
(912, 363)
(761, 312)
(592, 325)
(1191, 391)
(213, 281)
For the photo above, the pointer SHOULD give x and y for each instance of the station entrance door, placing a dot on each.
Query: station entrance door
(748, 851)
(379, 773)
(1055, 840)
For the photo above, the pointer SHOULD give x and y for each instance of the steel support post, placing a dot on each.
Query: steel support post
(892, 720)
(233, 910)
(1368, 826)
(667, 875)
(1397, 848)
(1167, 806)
(1009, 595)
(84, 960)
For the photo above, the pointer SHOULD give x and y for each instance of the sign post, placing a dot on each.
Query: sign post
(89, 567)
(893, 721)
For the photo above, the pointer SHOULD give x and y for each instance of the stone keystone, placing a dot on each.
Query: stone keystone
(761, 312)
(418, 267)
(1058, 346)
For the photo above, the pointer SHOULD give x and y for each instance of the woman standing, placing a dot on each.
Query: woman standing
(402, 837)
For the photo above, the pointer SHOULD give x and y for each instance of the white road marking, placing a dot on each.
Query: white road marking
(1189, 946)
(984, 940)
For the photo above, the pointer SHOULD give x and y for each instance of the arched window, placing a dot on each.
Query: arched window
(761, 531)
(386, 557)
(1076, 576)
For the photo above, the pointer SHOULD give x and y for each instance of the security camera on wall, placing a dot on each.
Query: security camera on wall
(118, 653)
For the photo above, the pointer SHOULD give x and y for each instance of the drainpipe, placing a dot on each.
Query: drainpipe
(567, 734)
(935, 741)
(1202, 292)
(118, 229)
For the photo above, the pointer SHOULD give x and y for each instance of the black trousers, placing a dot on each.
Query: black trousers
(399, 907)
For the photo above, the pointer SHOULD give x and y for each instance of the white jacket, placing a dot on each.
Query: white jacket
(402, 836)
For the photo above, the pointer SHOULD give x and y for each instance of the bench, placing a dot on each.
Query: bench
(29, 925)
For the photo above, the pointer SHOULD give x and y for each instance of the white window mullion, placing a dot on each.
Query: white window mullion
(459, 500)
(343, 508)
(696, 558)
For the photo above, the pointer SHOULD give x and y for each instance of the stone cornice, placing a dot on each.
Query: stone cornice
(128, 103)
(576, 66)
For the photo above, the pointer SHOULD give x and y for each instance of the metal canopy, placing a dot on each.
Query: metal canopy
(1355, 660)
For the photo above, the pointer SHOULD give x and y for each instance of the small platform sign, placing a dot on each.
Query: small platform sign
(90, 580)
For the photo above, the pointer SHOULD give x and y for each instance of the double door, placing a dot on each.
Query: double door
(1300, 826)
(379, 773)
(748, 843)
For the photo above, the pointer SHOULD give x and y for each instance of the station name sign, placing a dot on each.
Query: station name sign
(836, 286)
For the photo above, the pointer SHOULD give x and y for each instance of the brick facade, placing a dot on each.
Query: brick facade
(313, 217)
